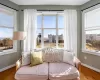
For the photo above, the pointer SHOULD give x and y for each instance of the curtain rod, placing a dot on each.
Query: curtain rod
(90, 6)
(50, 10)
(9, 7)
(47, 10)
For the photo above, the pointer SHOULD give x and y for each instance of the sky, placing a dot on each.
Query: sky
(92, 19)
(50, 22)
(6, 20)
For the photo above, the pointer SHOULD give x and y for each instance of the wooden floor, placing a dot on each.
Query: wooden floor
(86, 74)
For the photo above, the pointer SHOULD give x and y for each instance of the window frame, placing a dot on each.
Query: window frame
(46, 13)
(14, 14)
(84, 50)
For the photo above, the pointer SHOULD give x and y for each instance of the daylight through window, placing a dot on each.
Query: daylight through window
(92, 30)
(6, 29)
(50, 31)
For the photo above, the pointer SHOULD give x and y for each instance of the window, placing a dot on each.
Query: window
(50, 31)
(7, 25)
(91, 30)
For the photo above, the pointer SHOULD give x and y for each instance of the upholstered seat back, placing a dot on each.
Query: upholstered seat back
(51, 55)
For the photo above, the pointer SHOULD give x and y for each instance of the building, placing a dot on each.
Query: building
(52, 38)
(92, 36)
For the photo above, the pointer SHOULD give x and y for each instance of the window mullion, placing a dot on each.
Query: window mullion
(6, 27)
(42, 36)
(56, 30)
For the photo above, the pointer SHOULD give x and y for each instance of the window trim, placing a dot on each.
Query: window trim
(14, 13)
(8, 52)
(56, 28)
(48, 13)
(84, 50)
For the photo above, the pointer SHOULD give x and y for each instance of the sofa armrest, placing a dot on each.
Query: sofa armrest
(77, 63)
(18, 64)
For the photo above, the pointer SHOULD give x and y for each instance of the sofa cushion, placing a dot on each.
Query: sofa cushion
(39, 72)
(62, 71)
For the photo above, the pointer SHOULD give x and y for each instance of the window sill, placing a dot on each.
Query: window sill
(7, 52)
(91, 52)
(51, 47)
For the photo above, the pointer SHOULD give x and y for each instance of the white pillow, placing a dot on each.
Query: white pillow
(26, 58)
(52, 55)
(68, 57)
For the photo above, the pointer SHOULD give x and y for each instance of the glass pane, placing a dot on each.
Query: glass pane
(6, 19)
(60, 22)
(6, 39)
(39, 21)
(92, 18)
(61, 38)
(38, 39)
(49, 21)
(49, 38)
(93, 40)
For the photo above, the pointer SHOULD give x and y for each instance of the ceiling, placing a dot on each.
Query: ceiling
(49, 2)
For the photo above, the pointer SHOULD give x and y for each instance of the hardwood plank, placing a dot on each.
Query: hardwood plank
(8, 74)
(90, 74)
(85, 74)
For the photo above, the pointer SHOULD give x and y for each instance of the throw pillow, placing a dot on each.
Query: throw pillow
(68, 57)
(25, 58)
(36, 58)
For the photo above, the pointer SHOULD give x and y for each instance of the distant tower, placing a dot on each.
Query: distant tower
(50, 38)
(39, 38)
(54, 39)
(60, 38)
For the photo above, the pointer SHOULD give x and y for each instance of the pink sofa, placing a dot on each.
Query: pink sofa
(51, 71)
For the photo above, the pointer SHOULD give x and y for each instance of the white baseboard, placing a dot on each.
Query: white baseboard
(3, 69)
(95, 69)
